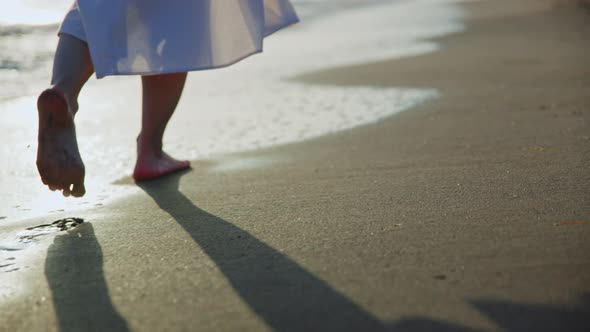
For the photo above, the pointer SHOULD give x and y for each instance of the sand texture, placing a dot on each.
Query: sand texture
(470, 212)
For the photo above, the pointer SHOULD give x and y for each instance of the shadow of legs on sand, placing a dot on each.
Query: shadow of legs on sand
(512, 316)
(74, 271)
(282, 293)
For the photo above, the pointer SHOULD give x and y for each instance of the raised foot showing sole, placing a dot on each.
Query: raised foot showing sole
(58, 158)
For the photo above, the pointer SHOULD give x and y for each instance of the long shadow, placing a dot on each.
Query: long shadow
(512, 316)
(74, 271)
(281, 292)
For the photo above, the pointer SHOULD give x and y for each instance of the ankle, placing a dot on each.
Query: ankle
(71, 98)
(148, 145)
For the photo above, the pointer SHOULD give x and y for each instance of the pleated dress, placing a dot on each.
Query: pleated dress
(146, 37)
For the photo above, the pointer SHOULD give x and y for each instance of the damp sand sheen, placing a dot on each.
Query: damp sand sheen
(251, 105)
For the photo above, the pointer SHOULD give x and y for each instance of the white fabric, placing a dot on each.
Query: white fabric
(72, 24)
(142, 37)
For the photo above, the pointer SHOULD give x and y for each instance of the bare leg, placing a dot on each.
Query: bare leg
(161, 94)
(58, 159)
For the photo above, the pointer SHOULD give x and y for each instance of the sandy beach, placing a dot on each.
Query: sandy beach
(470, 212)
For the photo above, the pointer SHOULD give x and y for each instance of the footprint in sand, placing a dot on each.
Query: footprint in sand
(9, 267)
(57, 226)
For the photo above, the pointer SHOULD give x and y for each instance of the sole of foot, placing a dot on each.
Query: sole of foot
(58, 158)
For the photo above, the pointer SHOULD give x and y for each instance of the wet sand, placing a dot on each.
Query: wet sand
(469, 212)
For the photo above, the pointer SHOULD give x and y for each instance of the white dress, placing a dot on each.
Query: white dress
(143, 37)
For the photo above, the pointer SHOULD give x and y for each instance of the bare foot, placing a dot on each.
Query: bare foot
(152, 164)
(58, 159)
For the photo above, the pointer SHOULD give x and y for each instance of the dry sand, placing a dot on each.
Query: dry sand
(470, 212)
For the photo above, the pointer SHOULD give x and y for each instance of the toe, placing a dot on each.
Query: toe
(44, 180)
(66, 189)
(78, 190)
(182, 165)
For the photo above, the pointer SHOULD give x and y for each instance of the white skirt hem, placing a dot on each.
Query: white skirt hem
(122, 43)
